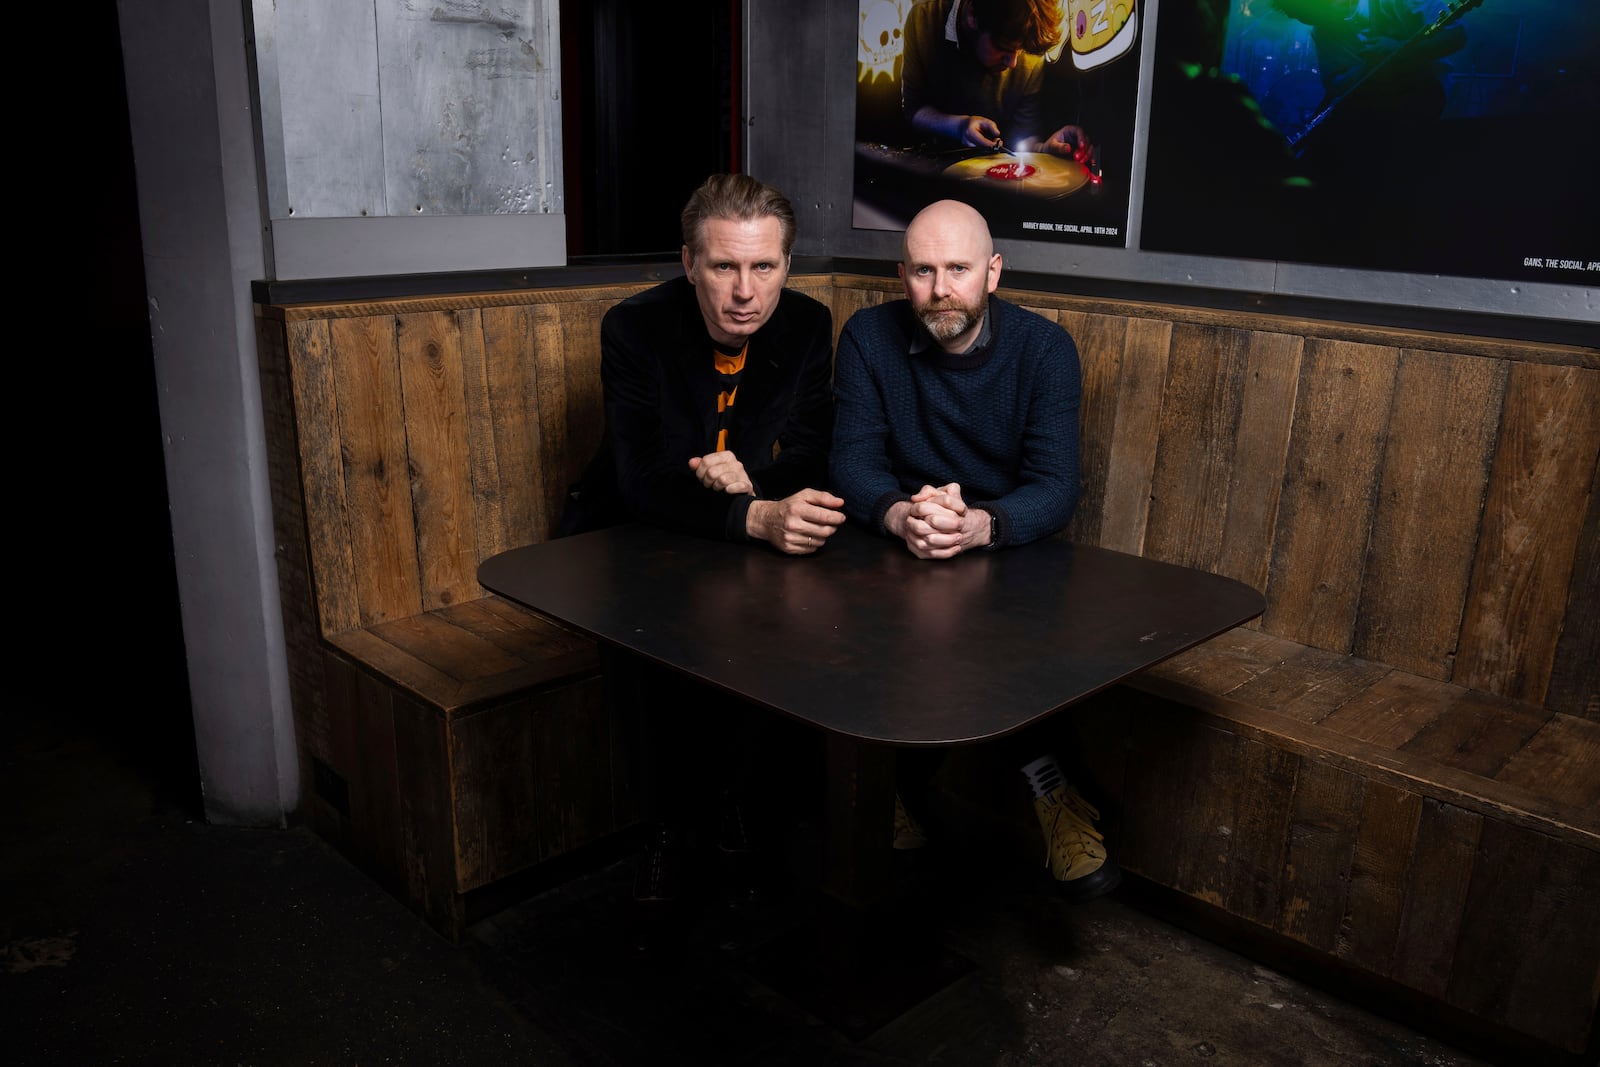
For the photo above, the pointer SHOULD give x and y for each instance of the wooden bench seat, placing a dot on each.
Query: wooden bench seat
(449, 740)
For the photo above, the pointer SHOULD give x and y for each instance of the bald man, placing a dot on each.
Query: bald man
(956, 430)
(956, 413)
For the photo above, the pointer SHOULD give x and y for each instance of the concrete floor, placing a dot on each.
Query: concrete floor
(133, 932)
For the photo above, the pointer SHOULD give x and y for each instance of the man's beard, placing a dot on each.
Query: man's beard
(943, 326)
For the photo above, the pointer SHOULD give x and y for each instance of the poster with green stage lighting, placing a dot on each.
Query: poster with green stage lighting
(1023, 108)
(1450, 137)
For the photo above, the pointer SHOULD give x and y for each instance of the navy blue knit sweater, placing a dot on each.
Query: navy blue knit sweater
(1001, 422)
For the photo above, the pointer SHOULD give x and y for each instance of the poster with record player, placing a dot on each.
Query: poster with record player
(1022, 108)
(1451, 137)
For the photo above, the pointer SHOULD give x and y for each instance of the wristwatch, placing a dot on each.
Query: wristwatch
(994, 530)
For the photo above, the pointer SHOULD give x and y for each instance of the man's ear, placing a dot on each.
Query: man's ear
(994, 272)
(901, 267)
(688, 264)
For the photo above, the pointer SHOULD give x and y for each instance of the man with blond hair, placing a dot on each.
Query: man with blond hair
(718, 417)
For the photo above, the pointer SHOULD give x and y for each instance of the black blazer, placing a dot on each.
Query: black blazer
(657, 374)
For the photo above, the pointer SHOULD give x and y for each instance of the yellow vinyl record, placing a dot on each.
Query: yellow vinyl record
(1034, 174)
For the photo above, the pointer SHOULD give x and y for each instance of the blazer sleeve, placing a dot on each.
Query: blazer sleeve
(651, 429)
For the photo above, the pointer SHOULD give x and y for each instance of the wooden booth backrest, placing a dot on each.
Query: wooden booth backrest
(1422, 500)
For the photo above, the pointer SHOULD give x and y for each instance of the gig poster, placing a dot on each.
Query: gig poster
(1030, 120)
(1456, 138)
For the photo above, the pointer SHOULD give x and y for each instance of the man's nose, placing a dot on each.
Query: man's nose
(1009, 59)
(941, 284)
(743, 286)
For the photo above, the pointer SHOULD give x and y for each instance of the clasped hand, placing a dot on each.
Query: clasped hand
(937, 524)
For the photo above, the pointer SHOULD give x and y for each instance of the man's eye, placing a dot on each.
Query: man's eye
(724, 266)
(958, 269)
(923, 272)
(764, 267)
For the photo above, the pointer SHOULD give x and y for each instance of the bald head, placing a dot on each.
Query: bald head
(949, 221)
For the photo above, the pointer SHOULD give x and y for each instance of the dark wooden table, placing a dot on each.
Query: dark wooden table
(873, 646)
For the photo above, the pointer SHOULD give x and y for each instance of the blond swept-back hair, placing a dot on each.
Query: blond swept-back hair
(739, 197)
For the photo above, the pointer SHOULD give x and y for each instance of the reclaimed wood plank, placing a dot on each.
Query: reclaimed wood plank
(1392, 710)
(1100, 344)
(585, 410)
(492, 496)
(1133, 440)
(850, 299)
(1325, 514)
(328, 534)
(1194, 461)
(1575, 676)
(1324, 817)
(1560, 761)
(1385, 842)
(1202, 866)
(1537, 503)
(1435, 897)
(574, 804)
(1529, 951)
(1434, 477)
(547, 368)
(372, 436)
(1260, 453)
(438, 457)
(1477, 732)
(1221, 665)
(505, 431)
(1159, 779)
(1310, 683)
(427, 817)
(1260, 830)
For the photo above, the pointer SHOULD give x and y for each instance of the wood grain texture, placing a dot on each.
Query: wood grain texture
(1430, 497)
(1099, 340)
(1194, 461)
(1529, 947)
(1309, 683)
(1325, 815)
(317, 440)
(377, 484)
(1435, 898)
(1561, 761)
(1325, 515)
(438, 457)
(1260, 452)
(1575, 675)
(584, 417)
(1537, 505)
(500, 428)
(1134, 438)
(1260, 830)
(1378, 877)
(1476, 732)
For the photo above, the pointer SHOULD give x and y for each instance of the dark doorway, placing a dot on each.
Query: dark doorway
(650, 106)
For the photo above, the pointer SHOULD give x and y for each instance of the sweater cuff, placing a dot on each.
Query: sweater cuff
(738, 513)
(881, 506)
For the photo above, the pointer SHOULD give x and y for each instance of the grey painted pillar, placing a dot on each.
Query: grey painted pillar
(202, 223)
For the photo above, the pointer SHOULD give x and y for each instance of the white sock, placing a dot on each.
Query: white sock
(1043, 775)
